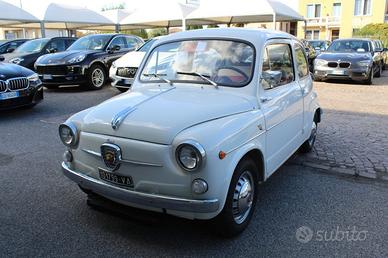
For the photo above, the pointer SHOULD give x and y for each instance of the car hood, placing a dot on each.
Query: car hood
(10, 56)
(335, 56)
(158, 114)
(131, 59)
(62, 57)
(8, 71)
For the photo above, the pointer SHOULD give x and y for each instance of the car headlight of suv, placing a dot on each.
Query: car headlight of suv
(34, 79)
(364, 63)
(68, 134)
(190, 155)
(77, 59)
(16, 60)
(320, 62)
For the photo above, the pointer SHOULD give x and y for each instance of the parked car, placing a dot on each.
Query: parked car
(8, 46)
(311, 54)
(378, 45)
(346, 59)
(195, 137)
(123, 70)
(319, 45)
(86, 62)
(19, 87)
(26, 54)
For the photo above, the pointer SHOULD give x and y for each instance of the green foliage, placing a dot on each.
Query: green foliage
(137, 32)
(194, 27)
(113, 7)
(374, 31)
(213, 26)
(157, 32)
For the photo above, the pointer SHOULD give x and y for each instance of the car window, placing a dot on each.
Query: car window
(350, 45)
(58, 44)
(3, 48)
(277, 64)
(119, 41)
(69, 42)
(301, 62)
(132, 42)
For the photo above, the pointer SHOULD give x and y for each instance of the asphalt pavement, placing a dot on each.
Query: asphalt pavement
(301, 211)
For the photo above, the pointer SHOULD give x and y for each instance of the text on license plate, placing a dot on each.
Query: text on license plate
(115, 179)
(9, 95)
(338, 72)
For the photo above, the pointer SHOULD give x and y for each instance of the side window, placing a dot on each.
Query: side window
(58, 44)
(277, 66)
(301, 62)
(119, 41)
(132, 43)
(69, 42)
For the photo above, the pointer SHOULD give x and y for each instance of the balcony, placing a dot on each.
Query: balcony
(328, 21)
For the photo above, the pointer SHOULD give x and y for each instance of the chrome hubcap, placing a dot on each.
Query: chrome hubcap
(243, 197)
(313, 135)
(98, 77)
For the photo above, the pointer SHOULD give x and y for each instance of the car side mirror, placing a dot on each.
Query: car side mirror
(52, 50)
(273, 78)
(2, 58)
(10, 50)
(114, 48)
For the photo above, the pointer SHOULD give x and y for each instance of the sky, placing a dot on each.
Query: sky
(97, 5)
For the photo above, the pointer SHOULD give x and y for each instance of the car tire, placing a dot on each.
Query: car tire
(241, 200)
(308, 145)
(96, 77)
(369, 81)
(122, 89)
(379, 72)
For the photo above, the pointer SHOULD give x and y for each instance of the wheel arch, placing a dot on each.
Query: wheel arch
(318, 115)
(100, 63)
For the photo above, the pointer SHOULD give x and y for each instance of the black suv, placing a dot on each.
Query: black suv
(8, 46)
(86, 62)
(30, 51)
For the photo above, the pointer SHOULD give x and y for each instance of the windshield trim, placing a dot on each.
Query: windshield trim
(157, 44)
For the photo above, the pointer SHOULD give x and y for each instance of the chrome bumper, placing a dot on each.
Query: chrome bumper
(150, 200)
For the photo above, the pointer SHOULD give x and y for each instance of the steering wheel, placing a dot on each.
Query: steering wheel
(246, 77)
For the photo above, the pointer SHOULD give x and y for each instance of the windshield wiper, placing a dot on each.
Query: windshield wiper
(204, 77)
(159, 76)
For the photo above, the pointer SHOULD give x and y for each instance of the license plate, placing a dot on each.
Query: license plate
(128, 81)
(115, 179)
(47, 77)
(338, 72)
(9, 95)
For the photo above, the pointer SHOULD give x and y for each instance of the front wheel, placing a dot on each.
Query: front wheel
(369, 81)
(380, 71)
(96, 77)
(308, 145)
(122, 89)
(241, 200)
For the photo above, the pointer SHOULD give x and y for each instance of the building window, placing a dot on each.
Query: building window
(313, 10)
(312, 34)
(362, 7)
(337, 9)
(335, 34)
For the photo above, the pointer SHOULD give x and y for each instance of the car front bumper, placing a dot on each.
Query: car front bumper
(30, 96)
(138, 198)
(118, 81)
(62, 74)
(356, 74)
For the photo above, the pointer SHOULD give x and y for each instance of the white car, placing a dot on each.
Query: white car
(123, 70)
(195, 136)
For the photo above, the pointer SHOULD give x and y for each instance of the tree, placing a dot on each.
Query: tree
(374, 31)
(194, 27)
(113, 7)
(157, 32)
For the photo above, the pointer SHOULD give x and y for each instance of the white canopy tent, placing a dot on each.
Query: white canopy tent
(243, 11)
(12, 15)
(161, 14)
(60, 16)
(117, 16)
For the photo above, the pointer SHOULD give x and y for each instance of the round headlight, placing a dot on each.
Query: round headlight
(190, 155)
(68, 134)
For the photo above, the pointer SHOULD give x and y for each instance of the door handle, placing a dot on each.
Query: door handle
(265, 99)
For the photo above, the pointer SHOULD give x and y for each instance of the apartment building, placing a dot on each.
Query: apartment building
(333, 19)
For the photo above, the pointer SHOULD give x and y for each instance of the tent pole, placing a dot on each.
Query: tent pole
(274, 21)
(42, 29)
(117, 28)
(183, 24)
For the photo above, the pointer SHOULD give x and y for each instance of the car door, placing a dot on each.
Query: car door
(114, 55)
(281, 103)
(306, 85)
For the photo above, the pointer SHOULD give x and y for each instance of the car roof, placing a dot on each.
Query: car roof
(256, 36)
(358, 39)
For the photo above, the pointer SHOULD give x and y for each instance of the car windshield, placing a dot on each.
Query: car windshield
(318, 44)
(93, 42)
(216, 62)
(146, 46)
(32, 46)
(349, 46)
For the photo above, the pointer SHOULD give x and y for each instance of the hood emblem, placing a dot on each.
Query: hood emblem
(111, 154)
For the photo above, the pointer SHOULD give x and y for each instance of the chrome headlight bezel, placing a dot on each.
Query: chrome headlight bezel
(76, 59)
(71, 131)
(320, 62)
(197, 152)
(34, 79)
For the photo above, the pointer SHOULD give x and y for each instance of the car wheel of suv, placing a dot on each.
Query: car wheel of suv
(96, 77)
(308, 145)
(241, 200)
(380, 71)
(369, 81)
